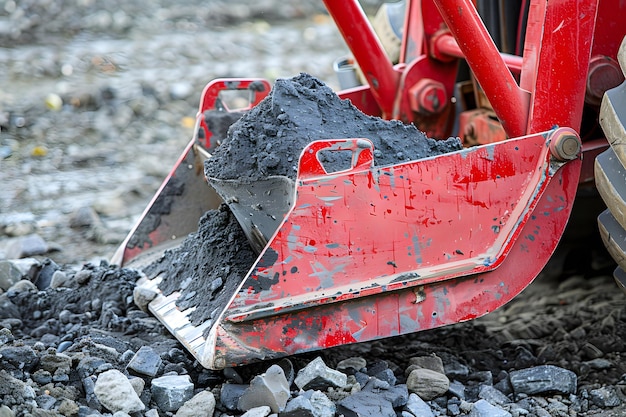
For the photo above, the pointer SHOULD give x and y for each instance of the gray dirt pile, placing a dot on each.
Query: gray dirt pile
(207, 267)
(269, 139)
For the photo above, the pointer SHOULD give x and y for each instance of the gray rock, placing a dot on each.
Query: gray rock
(230, 394)
(427, 384)
(418, 407)
(311, 403)
(351, 365)
(170, 392)
(8, 310)
(13, 391)
(397, 395)
(61, 279)
(84, 217)
(387, 375)
(262, 411)
(22, 286)
(45, 401)
(322, 405)
(56, 363)
(200, 405)
(115, 392)
(9, 274)
(316, 375)
(455, 369)
(457, 389)
(492, 395)
(142, 297)
(483, 408)
(365, 404)
(604, 397)
(299, 407)
(543, 379)
(432, 362)
(18, 358)
(26, 246)
(270, 388)
(138, 384)
(5, 411)
(145, 362)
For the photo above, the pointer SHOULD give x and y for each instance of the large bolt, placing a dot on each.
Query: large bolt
(428, 96)
(565, 144)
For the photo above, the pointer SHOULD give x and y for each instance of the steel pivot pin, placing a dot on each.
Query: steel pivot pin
(565, 144)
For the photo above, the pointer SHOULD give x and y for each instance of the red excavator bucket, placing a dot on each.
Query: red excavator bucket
(377, 251)
(372, 252)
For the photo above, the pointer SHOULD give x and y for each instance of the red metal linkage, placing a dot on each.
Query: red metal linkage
(559, 38)
(367, 50)
(509, 101)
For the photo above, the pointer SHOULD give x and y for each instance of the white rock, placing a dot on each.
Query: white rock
(262, 411)
(201, 405)
(115, 392)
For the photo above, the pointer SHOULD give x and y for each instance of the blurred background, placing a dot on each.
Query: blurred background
(98, 99)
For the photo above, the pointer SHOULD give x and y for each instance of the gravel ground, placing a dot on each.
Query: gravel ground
(92, 119)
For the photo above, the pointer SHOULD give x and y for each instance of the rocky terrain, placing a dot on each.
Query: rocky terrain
(97, 101)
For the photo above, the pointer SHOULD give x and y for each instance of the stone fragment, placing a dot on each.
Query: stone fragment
(145, 362)
(138, 384)
(351, 365)
(230, 394)
(418, 407)
(57, 362)
(262, 411)
(492, 395)
(68, 407)
(9, 275)
(483, 408)
(13, 391)
(170, 392)
(232, 375)
(270, 388)
(44, 277)
(365, 404)
(386, 375)
(310, 404)
(116, 393)
(316, 375)
(427, 383)
(200, 405)
(8, 310)
(457, 389)
(455, 369)
(299, 407)
(61, 279)
(543, 379)
(604, 397)
(397, 395)
(142, 297)
(432, 362)
(5, 411)
(18, 358)
(26, 246)
(22, 286)
(84, 217)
